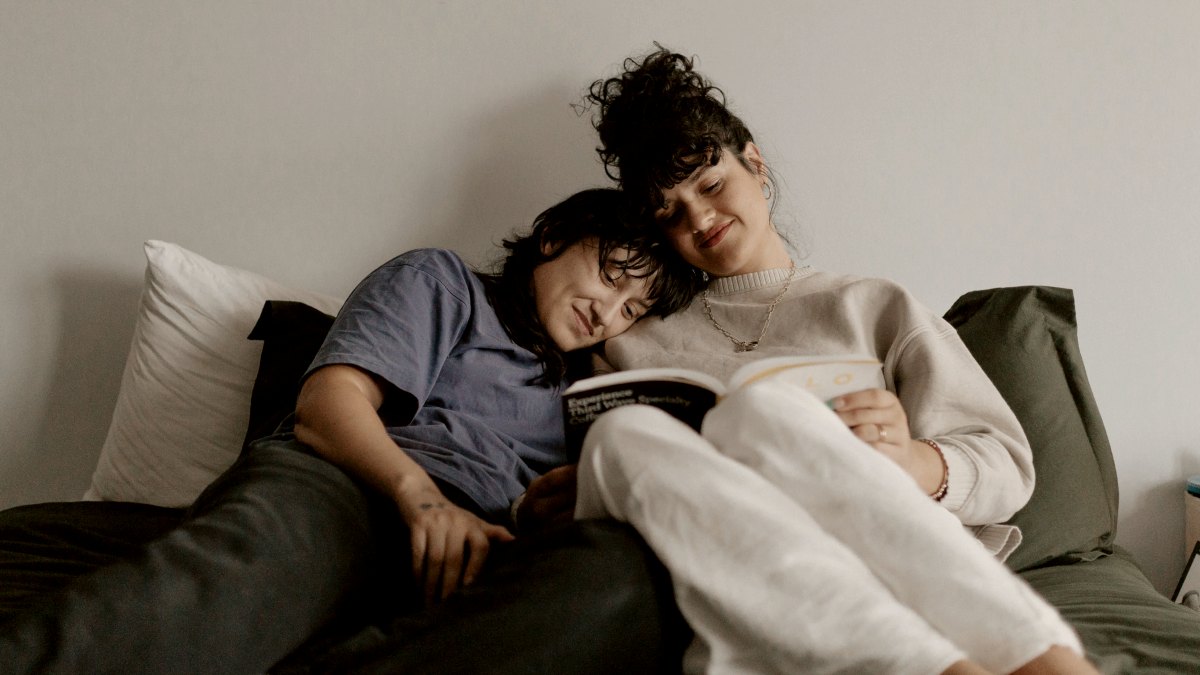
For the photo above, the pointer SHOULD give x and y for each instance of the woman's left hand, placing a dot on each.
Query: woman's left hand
(549, 500)
(877, 417)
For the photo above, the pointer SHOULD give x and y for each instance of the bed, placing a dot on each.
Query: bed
(195, 390)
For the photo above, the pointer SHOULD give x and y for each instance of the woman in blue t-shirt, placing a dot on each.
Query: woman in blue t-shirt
(438, 389)
(467, 367)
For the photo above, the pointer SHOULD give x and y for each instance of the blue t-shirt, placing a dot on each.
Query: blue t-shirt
(460, 403)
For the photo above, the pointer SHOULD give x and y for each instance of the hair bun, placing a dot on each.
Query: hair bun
(658, 121)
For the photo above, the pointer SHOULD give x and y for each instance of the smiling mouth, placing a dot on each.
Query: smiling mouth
(716, 236)
(585, 326)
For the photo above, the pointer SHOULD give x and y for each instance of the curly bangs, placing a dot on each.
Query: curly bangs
(659, 121)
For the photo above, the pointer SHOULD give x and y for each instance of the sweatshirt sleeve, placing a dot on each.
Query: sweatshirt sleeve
(949, 399)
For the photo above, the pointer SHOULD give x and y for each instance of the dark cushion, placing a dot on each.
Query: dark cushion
(1125, 624)
(1025, 339)
(291, 333)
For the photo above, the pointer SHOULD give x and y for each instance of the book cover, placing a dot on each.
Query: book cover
(687, 395)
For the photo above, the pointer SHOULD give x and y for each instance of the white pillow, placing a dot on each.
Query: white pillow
(184, 401)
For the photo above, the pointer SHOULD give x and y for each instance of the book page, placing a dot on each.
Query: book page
(827, 377)
(648, 375)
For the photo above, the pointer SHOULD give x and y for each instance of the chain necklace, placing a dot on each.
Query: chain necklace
(739, 345)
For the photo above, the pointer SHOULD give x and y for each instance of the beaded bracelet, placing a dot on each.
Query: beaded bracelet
(945, 486)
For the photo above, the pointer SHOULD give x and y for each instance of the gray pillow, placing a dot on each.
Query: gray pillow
(1025, 339)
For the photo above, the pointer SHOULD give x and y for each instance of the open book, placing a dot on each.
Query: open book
(689, 394)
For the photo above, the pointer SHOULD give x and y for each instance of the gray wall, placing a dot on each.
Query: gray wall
(948, 145)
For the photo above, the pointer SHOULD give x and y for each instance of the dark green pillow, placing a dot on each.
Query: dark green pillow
(1125, 624)
(1025, 339)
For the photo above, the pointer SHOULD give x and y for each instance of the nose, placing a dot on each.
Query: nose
(605, 311)
(700, 216)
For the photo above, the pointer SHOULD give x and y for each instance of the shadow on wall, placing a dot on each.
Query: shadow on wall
(98, 312)
(526, 156)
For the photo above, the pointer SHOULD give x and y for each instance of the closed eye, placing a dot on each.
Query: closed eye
(637, 308)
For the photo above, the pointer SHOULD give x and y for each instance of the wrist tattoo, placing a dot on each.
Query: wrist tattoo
(425, 506)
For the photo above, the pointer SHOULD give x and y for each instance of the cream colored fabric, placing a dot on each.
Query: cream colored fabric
(945, 394)
(795, 547)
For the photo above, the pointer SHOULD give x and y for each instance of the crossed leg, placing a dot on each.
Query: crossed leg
(794, 546)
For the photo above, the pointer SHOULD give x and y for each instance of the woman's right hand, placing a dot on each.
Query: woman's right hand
(449, 543)
(337, 416)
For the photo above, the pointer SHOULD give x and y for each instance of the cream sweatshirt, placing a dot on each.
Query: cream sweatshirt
(945, 393)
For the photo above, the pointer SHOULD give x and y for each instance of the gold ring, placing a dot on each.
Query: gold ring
(882, 433)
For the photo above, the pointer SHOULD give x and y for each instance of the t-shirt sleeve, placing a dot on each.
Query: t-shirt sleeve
(400, 324)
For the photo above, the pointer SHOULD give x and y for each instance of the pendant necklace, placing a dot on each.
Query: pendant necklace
(740, 345)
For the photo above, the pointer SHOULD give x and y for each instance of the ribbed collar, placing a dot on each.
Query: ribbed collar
(747, 282)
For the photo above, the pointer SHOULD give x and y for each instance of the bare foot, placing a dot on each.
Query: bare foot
(1057, 660)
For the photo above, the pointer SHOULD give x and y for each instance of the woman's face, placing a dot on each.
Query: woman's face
(580, 304)
(719, 220)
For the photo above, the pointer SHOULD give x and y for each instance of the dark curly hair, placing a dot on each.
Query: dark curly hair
(659, 121)
(600, 214)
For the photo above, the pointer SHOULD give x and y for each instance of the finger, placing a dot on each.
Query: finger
(452, 565)
(867, 398)
(874, 433)
(862, 432)
(419, 540)
(477, 553)
(434, 556)
(846, 402)
(869, 417)
(497, 532)
(871, 433)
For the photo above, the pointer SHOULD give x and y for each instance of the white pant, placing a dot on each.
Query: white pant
(795, 547)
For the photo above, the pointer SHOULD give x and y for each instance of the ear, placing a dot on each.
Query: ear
(755, 158)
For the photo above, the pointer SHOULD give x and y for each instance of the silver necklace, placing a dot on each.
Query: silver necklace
(740, 345)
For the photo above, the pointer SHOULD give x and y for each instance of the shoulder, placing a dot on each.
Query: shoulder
(440, 267)
(437, 261)
(880, 307)
(874, 292)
